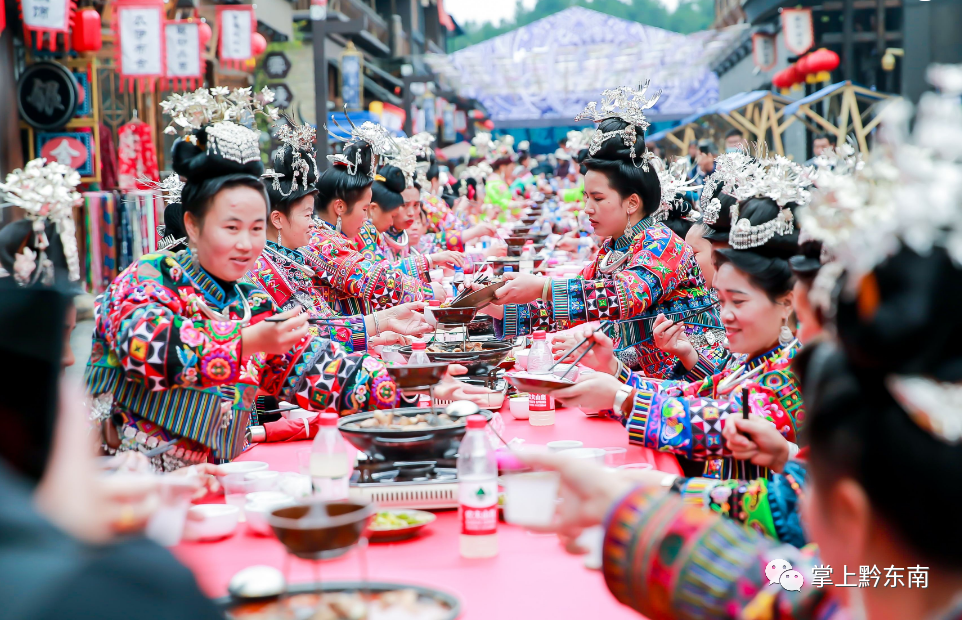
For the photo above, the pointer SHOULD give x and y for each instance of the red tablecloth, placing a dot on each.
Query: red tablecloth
(532, 577)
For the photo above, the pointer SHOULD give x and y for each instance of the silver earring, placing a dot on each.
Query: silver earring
(785, 335)
(628, 226)
(279, 237)
(337, 226)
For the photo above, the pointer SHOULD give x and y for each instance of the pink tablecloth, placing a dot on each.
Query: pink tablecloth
(532, 577)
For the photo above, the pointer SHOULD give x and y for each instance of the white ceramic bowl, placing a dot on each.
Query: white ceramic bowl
(565, 444)
(264, 479)
(259, 505)
(519, 407)
(521, 359)
(595, 454)
(211, 521)
(241, 467)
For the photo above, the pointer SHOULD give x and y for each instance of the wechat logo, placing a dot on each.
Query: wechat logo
(781, 572)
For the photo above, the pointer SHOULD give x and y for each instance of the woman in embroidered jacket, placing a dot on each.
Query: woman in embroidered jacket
(394, 208)
(348, 282)
(687, 418)
(282, 271)
(641, 271)
(181, 343)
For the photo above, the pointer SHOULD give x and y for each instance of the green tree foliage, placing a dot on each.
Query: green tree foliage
(690, 16)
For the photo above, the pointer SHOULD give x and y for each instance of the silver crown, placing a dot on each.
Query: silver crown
(674, 180)
(380, 140)
(205, 106)
(233, 142)
(170, 188)
(628, 105)
(405, 157)
(300, 138)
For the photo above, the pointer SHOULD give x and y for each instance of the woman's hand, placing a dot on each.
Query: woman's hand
(756, 440)
(601, 357)
(588, 492)
(275, 338)
(439, 293)
(594, 392)
(496, 251)
(407, 319)
(671, 338)
(448, 258)
(480, 230)
(388, 338)
(204, 477)
(521, 288)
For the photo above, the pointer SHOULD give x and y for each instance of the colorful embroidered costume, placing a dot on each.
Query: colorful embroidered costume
(167, 365)
(352, 284)
(443, 223)
(392, 248)
(657, 274)
(687, 418)
(767, 506)
(283, 274)
(669, 560)
(497, 192)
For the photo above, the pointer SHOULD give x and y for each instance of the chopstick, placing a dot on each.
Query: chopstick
(158, 451)
(338, 322)
(603, 325)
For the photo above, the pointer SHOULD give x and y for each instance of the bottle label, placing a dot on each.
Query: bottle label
(540, 402)
(479, 507)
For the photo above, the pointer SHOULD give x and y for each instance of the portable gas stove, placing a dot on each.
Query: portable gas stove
(406, 484)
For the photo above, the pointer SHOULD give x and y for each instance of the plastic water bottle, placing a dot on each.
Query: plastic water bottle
(477, 492)
(418, 354)
(584, 246)
(330, 468)
(540, 360)
(458, 280)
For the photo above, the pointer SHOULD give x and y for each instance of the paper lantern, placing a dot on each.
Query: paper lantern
(822, 62)
(205, 34)
(86, 31)
(258, 44)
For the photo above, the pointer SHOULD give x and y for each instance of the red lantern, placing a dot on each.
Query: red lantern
(488, 124)
(86, 31)
(822, 62)
(204, 33)
(258, 44)
(803, 64)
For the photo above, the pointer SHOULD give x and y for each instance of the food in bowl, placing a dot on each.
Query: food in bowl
(347, 605)
(399, 519)
(469, 347)
(392, 421)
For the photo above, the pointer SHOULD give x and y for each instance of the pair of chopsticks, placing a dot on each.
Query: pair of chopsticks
(603, 325)
(467, 290)
(338, 322)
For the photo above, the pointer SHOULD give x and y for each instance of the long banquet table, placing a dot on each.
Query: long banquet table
(532, 576)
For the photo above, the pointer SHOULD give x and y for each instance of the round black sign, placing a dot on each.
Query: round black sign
(47, 95)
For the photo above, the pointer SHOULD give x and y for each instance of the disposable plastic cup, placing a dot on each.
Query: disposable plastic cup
(166, 525)
(615, 456)
(263, 480)
(530, 498)
(593, 454)
(304, 461)
(637, 466)
(564, 444)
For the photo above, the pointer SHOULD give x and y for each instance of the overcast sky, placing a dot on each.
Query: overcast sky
(495, 10)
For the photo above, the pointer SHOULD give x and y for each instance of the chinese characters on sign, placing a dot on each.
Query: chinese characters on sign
(797, 29)
(351, 80)
(183, 52)
(236, 25)
(39, 16)
(140, 41)
(277, 65)
(283, 97)
(763, 51)
(870, 576)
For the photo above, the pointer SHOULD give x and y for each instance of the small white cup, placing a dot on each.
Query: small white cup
(595, 454)
(519, 407)
(264, 480)
(211, 522)
(564, 444)
(529, 498)
(521, 359)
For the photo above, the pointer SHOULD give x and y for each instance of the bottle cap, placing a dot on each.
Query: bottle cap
(509, 269)
(539, 335)
(418, 346)
(476, 422)
(329, 419)
(457, 269)
(434, 303)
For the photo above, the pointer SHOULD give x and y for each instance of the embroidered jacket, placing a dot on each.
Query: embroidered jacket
(687, 418)
(168, 362)
(767, 506)
(284, 275)
(659, 275)
(352, 284)
(443, 224)
(497, 192)
(669, 560)
(376, 247)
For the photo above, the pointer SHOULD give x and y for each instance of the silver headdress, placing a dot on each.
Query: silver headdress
(727, 167)
(674, 180)
(223, 114)
(625, 104)
(482, 143)
(500, 148)
(774, 177)
(45, 191)
(405, 157)
(381, 142)
(170, 188)
(578, 140)
(300, 138)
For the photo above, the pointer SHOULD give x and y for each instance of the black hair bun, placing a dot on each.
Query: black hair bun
(904, 317)
(809, 258)
(393, 179)
(761, 210)
(283, 160)
(387, 193)
(198, 164)
(19, 234)
(614, 149)
(361, 159)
